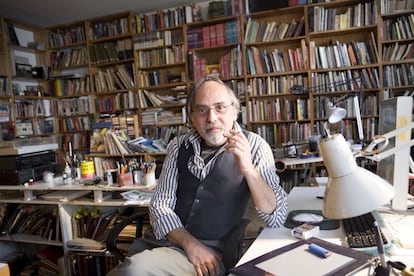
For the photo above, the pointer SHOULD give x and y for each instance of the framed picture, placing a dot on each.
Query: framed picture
(23, 70)
(34, 90)
(24, 129)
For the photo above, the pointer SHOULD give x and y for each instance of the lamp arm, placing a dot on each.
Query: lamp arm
(376, 153)
(358, 119)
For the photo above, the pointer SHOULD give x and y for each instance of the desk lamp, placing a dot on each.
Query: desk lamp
(336, 113)
(351, 190)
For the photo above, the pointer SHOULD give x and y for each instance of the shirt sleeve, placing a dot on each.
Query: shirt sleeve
(162, 215)
(264, 162)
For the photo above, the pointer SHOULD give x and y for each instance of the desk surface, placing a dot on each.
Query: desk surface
(299, 161)
(306, 198)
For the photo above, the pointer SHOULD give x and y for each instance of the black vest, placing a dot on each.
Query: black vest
(209, 209)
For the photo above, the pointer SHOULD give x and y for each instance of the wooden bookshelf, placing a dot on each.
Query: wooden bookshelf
(285, 65)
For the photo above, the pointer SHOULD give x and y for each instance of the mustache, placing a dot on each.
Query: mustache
(208, 127)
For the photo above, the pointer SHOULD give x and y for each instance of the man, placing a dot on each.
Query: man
(207, 178)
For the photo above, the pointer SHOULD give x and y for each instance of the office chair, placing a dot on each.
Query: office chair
(232, 251)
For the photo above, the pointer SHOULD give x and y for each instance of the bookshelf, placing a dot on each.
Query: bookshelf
(397, 51)
(276, 52)
(143, 58)
(345, 52)
(19, 204)
(26, 101)
(138, 67)
(111, 66)
(161, 66)
(69, 83)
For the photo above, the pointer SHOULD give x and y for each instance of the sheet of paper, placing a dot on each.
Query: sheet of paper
(299, 261)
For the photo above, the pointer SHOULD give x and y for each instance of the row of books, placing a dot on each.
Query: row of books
(263, 31)
(82, 264)
(69, 86)
(217, 9)
(158, 39)
(4, 87)
(71, 124)
(324, 19)
(169, 18)
(276, 85)
(117, 102)
(398, 28)
(398, 75)
(350, 128)
(322, 106)
(79, 140)
(264, 61)
(92, 223)
(161, 56)
(213, 35)
(111, 51)
(74, 106)
(159, 77)
(34, 220)
(165, 133)
(117, 142)
(343, 54)
(34, 126)
(64, 37)
(397, 52)
(230, 64)
(128, 123)
(114, 78)
(162, 117)
(345, 80)
(34, 108)
(114, 27)
(284, 133)
(279, 109)
(69, 57)
(153, 99)
(391, 6)
(325, 82)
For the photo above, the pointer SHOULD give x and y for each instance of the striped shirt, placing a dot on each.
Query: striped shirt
(162, 215)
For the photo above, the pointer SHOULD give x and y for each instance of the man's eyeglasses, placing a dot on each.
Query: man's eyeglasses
(203, 110)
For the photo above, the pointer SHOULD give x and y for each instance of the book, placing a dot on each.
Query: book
(49, 257)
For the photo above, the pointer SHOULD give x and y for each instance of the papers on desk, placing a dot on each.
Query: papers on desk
(136, 197)
(295, 259)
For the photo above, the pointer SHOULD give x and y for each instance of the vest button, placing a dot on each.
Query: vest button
(197, 201)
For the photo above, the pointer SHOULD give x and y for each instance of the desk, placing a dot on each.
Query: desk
(293, 175)
(306, 198)
(299, 161)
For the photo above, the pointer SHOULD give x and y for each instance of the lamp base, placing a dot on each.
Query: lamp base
(381, 271)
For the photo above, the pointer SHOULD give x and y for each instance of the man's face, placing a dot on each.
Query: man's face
(213, 113)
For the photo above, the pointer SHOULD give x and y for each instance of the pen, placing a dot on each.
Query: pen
(319, 251)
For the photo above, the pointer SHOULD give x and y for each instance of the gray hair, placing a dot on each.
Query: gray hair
(191, 97)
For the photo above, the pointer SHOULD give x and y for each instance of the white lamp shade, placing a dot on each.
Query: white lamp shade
(351, 190)
(336, 114)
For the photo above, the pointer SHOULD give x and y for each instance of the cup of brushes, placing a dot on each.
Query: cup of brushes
(143, 174)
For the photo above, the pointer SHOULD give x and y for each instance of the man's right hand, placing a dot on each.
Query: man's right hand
(206, 262)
